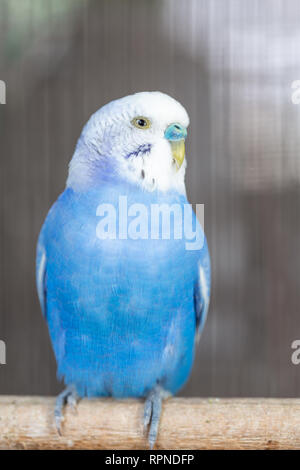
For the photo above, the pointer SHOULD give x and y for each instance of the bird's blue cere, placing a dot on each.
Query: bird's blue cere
(176, 132)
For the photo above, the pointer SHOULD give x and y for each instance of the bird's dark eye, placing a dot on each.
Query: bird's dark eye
(141, 122)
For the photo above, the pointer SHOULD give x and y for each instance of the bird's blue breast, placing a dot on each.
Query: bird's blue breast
(120, 312)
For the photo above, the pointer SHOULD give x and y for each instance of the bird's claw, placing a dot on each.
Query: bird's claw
(152, 412)
(69, 397)
(72, 402)
(58, 421)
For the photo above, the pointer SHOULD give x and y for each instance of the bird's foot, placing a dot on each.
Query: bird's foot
(152, 412)
(68, 396)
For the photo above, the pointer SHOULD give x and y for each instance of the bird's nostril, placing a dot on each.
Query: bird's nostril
(177, 127)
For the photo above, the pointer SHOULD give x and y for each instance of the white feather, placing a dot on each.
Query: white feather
(109, 138)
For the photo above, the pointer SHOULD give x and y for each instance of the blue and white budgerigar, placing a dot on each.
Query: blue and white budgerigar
(123, 311)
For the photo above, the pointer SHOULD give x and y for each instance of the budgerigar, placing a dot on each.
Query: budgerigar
(123, 301)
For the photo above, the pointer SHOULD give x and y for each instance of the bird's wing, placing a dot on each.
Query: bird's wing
(202, 292)
(41, 262)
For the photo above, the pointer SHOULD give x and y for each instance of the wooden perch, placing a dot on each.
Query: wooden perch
(196, 423)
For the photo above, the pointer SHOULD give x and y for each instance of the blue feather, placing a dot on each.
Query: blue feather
(122, 314)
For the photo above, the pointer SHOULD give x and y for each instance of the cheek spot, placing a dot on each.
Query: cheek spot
(143, 174)
(140, 151)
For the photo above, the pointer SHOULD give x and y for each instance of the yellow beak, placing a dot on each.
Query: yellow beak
(176, 134)
(178, 152)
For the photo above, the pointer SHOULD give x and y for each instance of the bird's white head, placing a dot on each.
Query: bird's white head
(139, 138)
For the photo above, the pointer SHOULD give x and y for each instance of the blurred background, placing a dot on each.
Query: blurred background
(232, 64)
